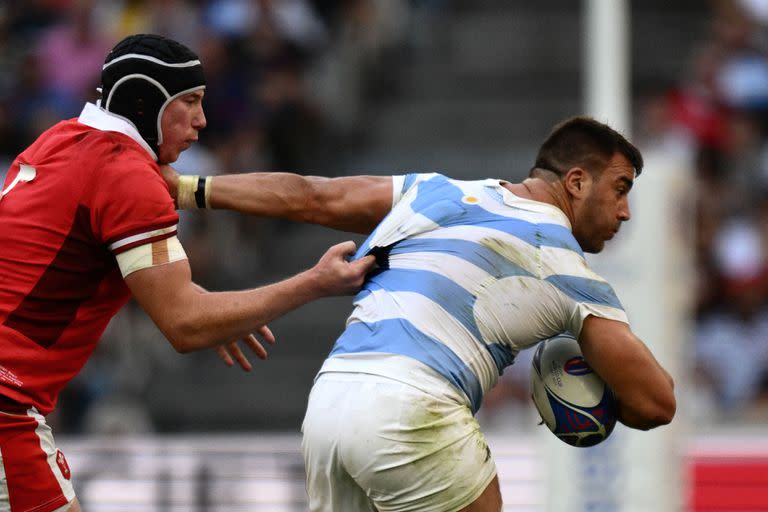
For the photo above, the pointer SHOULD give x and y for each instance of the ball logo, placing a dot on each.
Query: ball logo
(579, 422)
(576, 366)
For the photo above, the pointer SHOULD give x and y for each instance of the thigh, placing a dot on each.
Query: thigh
(34, 474)
(488, 501)
(413, 451)
(72, 506)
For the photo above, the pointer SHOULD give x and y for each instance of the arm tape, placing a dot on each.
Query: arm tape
(152, 254)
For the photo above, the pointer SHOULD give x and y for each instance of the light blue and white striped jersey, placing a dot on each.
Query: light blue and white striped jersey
(469, 274)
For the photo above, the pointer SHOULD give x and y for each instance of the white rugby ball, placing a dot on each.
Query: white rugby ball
(572, 400)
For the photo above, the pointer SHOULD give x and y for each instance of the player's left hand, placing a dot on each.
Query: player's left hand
(231, 352)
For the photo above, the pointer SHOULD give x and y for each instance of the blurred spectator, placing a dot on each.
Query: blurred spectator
(696, 105)
(70, 55)
(731, 341)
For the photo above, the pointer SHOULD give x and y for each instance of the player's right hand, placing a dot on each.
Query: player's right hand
(336, 275)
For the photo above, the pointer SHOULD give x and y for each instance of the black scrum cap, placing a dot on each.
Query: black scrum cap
(142, 74)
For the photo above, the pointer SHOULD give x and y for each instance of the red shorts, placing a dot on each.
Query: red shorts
(34, 476)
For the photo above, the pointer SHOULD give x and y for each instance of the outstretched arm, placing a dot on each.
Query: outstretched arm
(645, 391)
(354, 203)
(193, 320)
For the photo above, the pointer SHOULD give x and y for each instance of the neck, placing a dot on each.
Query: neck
(550, 192)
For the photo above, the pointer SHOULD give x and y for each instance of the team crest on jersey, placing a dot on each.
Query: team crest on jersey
(63, 466)
(470, 200)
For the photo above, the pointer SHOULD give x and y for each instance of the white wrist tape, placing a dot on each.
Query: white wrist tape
(193, 192)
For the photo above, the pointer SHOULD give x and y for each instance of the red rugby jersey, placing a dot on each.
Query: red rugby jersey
(95, 193)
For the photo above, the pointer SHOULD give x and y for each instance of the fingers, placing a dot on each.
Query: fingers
(228, 351)
(347, 248)
(257, 347)
(266, 334)
(224, 355)
(364, 264)
(234, 350)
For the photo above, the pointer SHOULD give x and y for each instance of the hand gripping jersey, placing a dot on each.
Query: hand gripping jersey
(469, 274)
(95, 192)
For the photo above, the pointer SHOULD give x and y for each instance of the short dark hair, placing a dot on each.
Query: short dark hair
(584, 142)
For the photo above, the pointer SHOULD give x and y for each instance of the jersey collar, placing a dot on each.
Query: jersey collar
(97, 117)
(510, 199)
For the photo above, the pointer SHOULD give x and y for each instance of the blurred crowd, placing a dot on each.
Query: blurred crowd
(716, 115)
(283, 75)
(288, 84)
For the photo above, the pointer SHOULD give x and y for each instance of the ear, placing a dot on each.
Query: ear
(577, 182)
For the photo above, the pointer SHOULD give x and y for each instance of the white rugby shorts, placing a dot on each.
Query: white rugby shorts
(372, 443)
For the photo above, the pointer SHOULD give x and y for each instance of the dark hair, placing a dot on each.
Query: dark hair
(584, 142)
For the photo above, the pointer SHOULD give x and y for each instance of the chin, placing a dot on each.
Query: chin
(593, 248)
(165, 159)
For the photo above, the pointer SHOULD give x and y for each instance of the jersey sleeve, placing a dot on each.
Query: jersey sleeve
(392, 228)
(587, 292)
(131, 205)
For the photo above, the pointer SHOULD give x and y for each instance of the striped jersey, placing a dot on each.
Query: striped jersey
(468, 275)
(91, 190)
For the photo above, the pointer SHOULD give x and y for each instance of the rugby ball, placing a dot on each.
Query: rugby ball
(572, 400)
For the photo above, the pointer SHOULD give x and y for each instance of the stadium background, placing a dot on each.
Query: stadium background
(465, 87)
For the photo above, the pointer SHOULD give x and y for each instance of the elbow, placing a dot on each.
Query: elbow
(662, 414)
(653, 411)
(180, 346)
(665, 405)
(183, 337)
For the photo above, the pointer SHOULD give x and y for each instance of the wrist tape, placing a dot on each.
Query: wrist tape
(193, 192)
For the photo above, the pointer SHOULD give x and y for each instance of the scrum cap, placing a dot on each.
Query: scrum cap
(142, 74)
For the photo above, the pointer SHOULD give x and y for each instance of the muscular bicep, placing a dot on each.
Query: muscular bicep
(165, 292)
(617, 355)
(643, 387)
(354, 203)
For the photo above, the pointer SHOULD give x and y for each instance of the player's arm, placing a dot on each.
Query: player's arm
(645, 391)
(231, 352)
(193, 319)
(352, 203)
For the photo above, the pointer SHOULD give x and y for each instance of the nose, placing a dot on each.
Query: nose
(624, 212)
(199, 122)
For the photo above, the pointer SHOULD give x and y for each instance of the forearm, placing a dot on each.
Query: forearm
(193, 319)
(208, 319)
(355, 204)
(649, 400)
(642, 387)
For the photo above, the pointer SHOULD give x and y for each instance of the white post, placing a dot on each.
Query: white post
(607, 62)
(648, 265)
